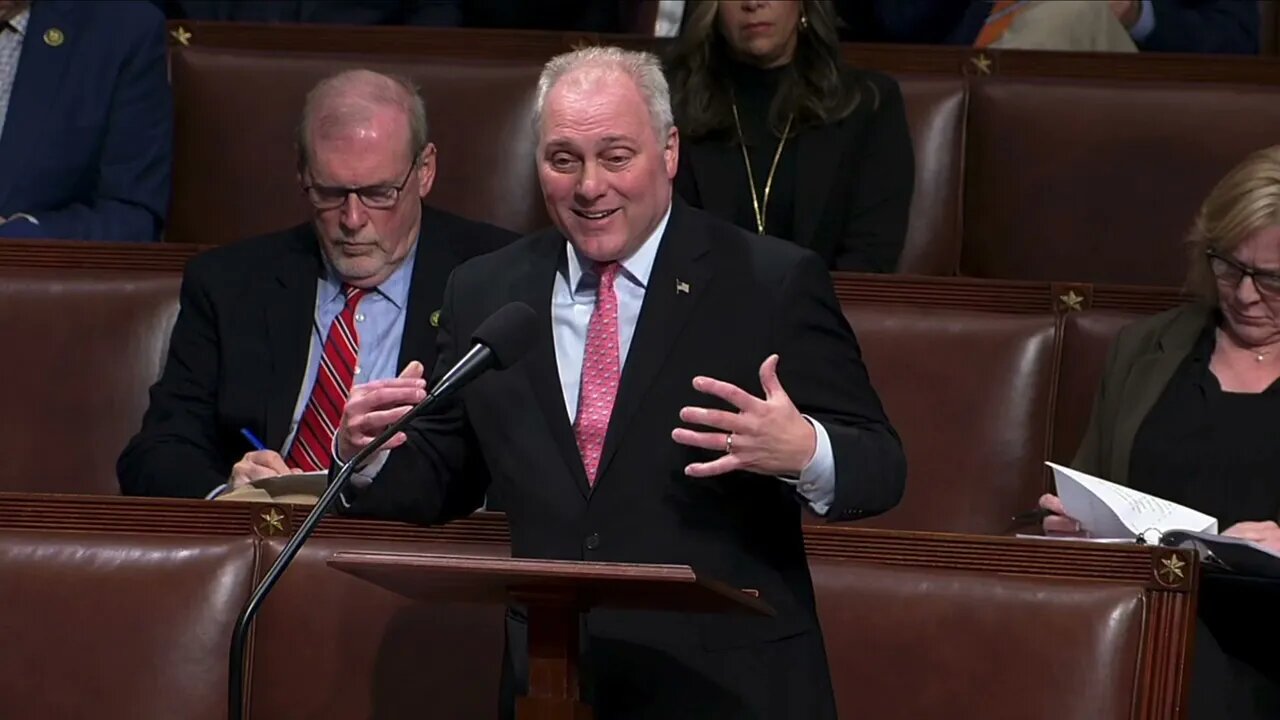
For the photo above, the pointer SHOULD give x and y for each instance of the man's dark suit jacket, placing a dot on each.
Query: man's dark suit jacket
(238, 353)
(718, 302)
(87, 147)
(854, 180)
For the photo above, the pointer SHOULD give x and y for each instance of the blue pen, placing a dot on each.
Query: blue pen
(253, 439)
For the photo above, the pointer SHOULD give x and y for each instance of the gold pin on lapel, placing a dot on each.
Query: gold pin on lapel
(682, 287)
(435, 319)
(53, 37)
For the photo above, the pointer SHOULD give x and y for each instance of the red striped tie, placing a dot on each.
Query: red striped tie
(310, 450)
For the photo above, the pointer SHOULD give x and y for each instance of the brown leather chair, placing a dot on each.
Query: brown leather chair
(969, 392)
(936, 113)
(934, 643)
(329, 645)
(1096, 180)
(237, 112)
(84, 347)
(118, 625)
(1044, 165)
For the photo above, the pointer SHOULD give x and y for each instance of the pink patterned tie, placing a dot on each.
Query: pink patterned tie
(600, 372)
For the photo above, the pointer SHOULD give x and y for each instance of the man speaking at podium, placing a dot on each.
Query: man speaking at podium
(692, 388)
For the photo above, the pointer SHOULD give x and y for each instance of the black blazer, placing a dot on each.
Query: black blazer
(746, 297)
(238, 352)
(855, 179)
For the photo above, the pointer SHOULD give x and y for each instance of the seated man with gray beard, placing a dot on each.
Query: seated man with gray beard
(274, 331)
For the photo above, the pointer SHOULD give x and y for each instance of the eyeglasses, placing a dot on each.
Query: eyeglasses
(374, 197)
(1230, 272)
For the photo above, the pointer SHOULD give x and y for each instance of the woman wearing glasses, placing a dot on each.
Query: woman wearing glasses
(778, 137)
(1189, 407)
(1189, 410)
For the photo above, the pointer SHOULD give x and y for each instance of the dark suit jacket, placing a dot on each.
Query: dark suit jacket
(88, 140)
(238, 353)
(1204, 26)
(855, 179)
(1199, 26)
(747, 296)
(438, 13)
(1142, 361)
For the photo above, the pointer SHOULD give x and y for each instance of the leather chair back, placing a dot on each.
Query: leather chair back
(84, 346)
(917, 643)
(330, 645)
(119, 626)
(936, 107)
(969, 393)
(1098, 181)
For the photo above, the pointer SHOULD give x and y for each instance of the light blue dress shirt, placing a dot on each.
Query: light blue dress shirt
(571, 314)
(379, 324)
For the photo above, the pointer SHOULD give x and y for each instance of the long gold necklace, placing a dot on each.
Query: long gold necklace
(761, 208)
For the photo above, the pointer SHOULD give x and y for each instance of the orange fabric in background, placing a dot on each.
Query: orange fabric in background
(993, 29)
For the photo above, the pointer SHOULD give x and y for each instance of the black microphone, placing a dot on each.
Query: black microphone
(502, 339)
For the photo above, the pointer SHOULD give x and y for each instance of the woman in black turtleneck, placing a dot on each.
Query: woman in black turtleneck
(780, 138)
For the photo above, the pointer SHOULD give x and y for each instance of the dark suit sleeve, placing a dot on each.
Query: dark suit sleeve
(175, 453)
(131, 196)
(880, 199)
(820, 366)
(436, 476)
(1204, 26)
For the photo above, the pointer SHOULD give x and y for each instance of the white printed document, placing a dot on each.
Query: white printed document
(1107, 511)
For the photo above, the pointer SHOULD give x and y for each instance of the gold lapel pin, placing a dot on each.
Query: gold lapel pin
(682, 286)
(53, 37)
(435, 319)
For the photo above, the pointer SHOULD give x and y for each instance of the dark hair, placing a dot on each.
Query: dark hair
(813, 89)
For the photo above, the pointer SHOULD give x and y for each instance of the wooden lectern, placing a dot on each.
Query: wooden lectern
(554, 592)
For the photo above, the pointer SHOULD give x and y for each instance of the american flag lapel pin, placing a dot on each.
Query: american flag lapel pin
(682, 287)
